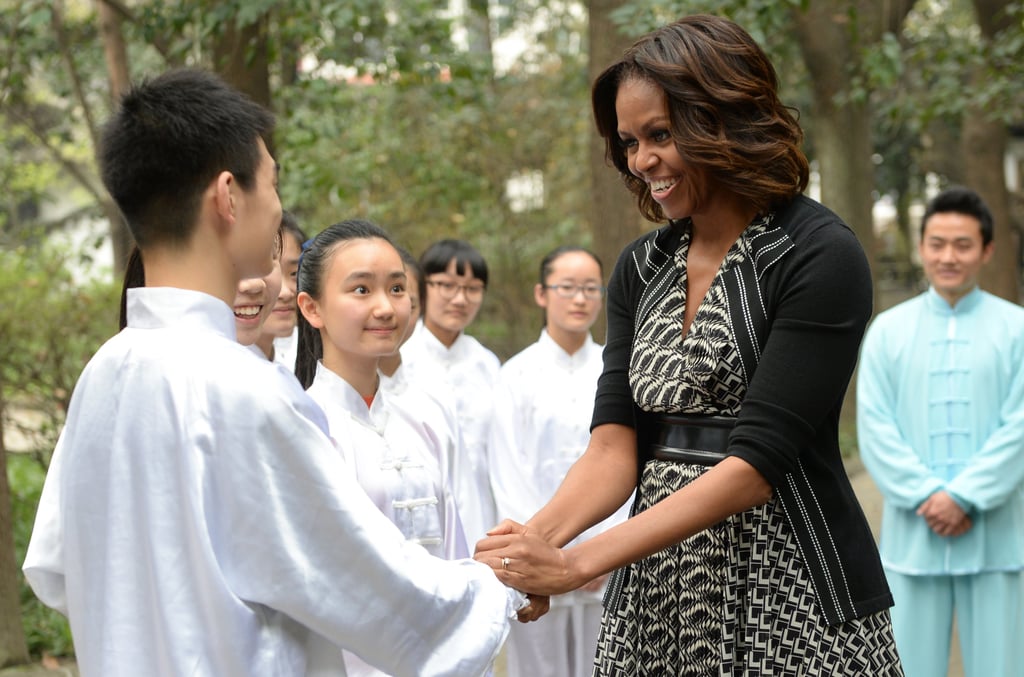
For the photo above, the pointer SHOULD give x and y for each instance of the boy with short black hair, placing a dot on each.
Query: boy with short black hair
(196, 519)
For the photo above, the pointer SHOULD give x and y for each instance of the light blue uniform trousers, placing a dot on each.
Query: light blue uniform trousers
(989, 611)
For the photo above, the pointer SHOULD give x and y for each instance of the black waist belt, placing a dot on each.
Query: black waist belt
(702, 440)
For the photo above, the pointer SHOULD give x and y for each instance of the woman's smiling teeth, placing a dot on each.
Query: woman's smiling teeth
(247, 311)
(662, 185)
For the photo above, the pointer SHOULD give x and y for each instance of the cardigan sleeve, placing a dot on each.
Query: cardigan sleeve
(823, 292)
(614, 400)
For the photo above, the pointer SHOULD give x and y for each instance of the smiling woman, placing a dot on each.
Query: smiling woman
(732, 334)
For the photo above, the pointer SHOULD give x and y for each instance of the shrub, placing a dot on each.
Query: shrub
(49, 327)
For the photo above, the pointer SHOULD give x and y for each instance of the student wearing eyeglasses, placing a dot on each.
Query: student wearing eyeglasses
(440, 355)
(544, 399)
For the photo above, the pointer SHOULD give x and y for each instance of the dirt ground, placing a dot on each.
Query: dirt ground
(871, 502)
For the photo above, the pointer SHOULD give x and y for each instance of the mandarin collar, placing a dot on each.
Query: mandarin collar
(341, 392)
(172, 307)
(965, 304)
(561, 357)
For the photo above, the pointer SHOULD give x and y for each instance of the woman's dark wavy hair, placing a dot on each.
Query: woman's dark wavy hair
(725, 114)
(314, 263)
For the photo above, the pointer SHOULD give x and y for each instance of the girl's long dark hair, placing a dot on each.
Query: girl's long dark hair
(134, 276)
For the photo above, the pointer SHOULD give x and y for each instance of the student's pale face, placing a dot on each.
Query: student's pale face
(952, 254)
(258, 215)
(573, 316)
(282, 318)
(254, 301)
(643, 125)
(446, 318)
(364, 307)
(412, 289)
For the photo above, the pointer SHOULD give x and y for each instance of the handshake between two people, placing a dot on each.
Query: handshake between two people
(523, 560)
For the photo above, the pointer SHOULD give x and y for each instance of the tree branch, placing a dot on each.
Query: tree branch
(70, 166)
(76, 80)
(125, 12)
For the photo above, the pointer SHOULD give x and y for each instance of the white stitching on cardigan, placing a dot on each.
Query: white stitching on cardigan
(824, 523)
(800, 545)
(732, 328)
(814, 540)
(745, 307)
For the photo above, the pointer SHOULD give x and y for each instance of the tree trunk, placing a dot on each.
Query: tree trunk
(832, 35)
(241, 57)
(13, 649)
(842, 130)
(614, 218)
(116, 56)
(478, 29)
(984, 143)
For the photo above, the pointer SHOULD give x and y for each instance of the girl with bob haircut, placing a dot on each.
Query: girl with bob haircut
(458, 368)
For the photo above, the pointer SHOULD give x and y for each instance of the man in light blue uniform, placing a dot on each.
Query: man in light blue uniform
(940, 422)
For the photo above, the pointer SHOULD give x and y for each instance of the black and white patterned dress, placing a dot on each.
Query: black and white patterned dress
(735, 599)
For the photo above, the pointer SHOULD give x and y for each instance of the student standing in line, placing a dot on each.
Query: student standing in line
(355, 309)
(196, 519)
(278, 337)
(425, 403)
(543, 404)
(440, 353)
(940, 426)
(252, 305)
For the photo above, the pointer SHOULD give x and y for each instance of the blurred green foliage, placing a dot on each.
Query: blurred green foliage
(50, 325)
(46, 630)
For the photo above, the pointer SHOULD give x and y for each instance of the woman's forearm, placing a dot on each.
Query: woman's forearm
(730, 487)
(596, 486)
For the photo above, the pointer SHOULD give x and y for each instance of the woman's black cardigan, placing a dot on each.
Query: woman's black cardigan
(798, 307)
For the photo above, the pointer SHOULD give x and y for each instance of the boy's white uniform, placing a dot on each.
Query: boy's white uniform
(196, 520)
(544, 401)
(468, 370)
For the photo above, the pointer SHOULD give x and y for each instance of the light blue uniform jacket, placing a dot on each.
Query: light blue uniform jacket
(940, 405)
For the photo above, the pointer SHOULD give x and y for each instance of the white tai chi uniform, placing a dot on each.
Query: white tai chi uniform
(196, 520)
(399, 464)
(285, 348)
(432, 411)
(543, 403)
(397, 461)
(469, 371)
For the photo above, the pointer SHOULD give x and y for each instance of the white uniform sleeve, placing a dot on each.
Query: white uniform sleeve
(316, 548)
(44, 559)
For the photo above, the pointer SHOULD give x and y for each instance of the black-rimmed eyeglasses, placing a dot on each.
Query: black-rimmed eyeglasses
(448, 290)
